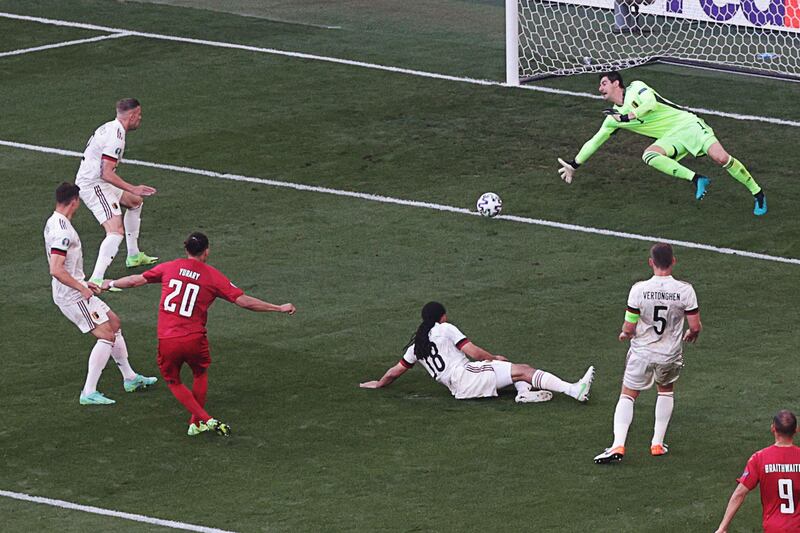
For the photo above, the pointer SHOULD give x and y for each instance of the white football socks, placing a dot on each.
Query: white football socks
(97, 362)
(132, 221)
(547, 381)
(623, 416)
(664, 404)
(120, 354)
(108, 249)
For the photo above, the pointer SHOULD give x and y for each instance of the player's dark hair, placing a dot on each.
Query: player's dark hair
(785, 423)
(661, 254)
(431, 313)
(66, 192)
(612, 77)
(196, 244)
(126, 104)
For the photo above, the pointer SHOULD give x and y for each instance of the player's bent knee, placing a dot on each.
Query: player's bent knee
(649, 155)
(104, 332)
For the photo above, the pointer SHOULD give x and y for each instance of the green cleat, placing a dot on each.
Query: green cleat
(196, 429)
(95, 398)
(140, 259)
(99, 283)
(219, 427)
(140, 382)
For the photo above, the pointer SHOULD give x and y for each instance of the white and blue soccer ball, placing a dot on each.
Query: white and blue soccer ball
(489, 204)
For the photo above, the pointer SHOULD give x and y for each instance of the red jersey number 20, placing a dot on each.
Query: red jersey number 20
(187, 293)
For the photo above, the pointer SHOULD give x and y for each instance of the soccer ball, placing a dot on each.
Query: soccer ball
(489, 204)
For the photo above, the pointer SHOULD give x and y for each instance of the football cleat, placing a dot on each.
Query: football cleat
(610, 455)
(140, 259)
(701, 184)
(219, 428)
(534, 396)
(196, 429)
(140, 382)
(584, 385)
(659, 449)
(99, 283)
(95, 398)
(761, 204)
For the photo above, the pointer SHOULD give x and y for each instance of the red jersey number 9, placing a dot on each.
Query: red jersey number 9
(187, 301)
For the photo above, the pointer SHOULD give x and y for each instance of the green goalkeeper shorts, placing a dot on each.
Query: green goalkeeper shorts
(694, 138)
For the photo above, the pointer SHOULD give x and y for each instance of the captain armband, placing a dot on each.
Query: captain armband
(631, 317)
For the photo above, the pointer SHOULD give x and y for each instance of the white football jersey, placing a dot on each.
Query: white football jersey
(107, 142)
(662, 303)
(445, 357)
(61, 238)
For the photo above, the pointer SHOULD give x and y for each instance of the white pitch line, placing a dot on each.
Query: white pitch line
(109, 512)
(63, 44)
(420, 204)
(373, 66)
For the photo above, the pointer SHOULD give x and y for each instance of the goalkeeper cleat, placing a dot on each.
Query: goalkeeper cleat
(534, 396)
(140, 382)
(701, 184)
(196, 429)
(610, 455)
(140, 259)
(95, 398)
(219, 428)
(657, 450)
(584, 385)
(99, 283)
(761, 204)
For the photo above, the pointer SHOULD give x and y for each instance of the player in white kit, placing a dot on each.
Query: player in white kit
(78, 302)
(105, 193)
(443, 351)
(653, 323)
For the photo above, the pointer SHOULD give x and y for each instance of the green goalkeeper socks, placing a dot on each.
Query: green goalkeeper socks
(669, 166)
(736, 169)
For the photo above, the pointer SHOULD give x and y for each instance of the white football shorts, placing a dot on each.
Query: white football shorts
(480, 379)
(642, 370)
(103, 201)
(86, 314)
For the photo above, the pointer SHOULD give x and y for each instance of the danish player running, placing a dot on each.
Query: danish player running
(188, 288)
(654, 325)
(104, 192)
(77, 301)
(443, 351)
(777, 470)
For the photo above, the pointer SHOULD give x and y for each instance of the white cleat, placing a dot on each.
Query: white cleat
(534, 396)
(585, 385)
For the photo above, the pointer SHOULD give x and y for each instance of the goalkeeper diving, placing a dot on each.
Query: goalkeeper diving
(677, 133)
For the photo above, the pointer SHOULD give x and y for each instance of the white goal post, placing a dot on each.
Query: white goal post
(563, 37)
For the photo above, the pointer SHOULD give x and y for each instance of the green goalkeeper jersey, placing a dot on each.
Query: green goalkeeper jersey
(655, 116)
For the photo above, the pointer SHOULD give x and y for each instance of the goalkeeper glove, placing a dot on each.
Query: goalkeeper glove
(619, 117)
(567, 170)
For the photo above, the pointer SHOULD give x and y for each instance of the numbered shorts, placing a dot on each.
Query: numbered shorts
(694, 138)
(103, 200)
(642, 370)
(480, 379)
(87, 315)
(175, 351)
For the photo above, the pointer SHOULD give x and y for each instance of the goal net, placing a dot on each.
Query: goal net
(563, 37)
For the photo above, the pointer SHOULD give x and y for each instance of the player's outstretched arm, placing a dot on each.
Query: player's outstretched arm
(695, 327)
(568, 168)
(136, 280)
(479, 354)
(254, 304)
(737, 498)
(110, 175)
(392, 374)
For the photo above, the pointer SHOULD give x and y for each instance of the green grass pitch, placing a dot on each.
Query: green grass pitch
(311, 451)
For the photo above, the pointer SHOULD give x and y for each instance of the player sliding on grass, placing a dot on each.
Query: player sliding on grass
(188, 288)
(640, 109)
(441, 347)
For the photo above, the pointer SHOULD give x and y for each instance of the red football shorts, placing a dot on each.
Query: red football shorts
(175, 351)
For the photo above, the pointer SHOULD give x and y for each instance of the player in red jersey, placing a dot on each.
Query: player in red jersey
(777, 470)
(188, 288)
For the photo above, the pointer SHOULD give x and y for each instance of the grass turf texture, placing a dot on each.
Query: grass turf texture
(311, 451)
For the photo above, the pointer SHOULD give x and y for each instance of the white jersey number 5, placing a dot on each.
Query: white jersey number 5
(188, 300)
